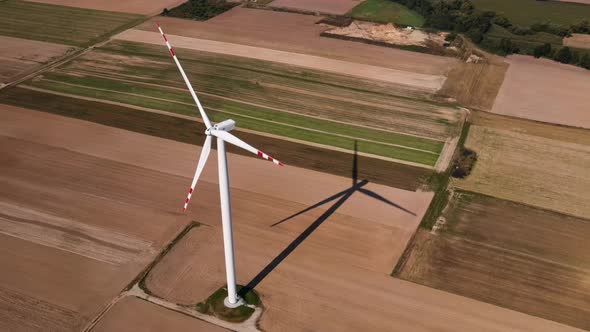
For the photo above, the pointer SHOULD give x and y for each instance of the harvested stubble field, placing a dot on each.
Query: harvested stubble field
(74, 227)
(60, 24)
(387, 120)
(542, 272)
(562, 99)
(21, 56)
(531, 163)
(337, 7)
(299, 34)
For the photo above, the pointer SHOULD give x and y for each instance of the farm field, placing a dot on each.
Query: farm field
(560, 100)
(476, 85)
(69, 226)
(385, 11)
(135, 314)
(531, 163)
(250, 27)
(337, 7)
(124, 6)
(275, 100)
(527, 12)
(20, 56)
(60, 24)
(337, 277)
(577, 40)
(313, 300)
(542, 272)
(416, 81)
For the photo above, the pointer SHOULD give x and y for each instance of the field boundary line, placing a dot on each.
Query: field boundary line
(251, 117)
(255, 104)
(188, 117)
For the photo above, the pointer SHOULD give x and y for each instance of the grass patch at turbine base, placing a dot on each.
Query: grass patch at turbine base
(214, 305)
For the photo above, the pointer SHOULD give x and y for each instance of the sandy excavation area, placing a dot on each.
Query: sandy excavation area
(123, 6)
(544, 90)
(21, 56)
(299, 34)
(336, 279)
(338, 7)
(415, 80)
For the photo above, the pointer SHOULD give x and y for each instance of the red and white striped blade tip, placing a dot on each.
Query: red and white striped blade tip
(269, 158)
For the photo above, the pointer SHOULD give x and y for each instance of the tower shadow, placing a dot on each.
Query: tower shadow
(341, 198)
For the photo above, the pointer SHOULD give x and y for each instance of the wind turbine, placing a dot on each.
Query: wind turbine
(221, 132)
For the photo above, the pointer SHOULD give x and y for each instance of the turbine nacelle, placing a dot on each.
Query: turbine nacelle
(227, 125)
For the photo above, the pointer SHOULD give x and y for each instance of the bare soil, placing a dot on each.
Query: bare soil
(390, 34)
(135, 314)
(21, 56)
(415, 80)
(544, 90)
(549, 173)
(511, 255)
(124, 6)
(298, 33)
(578, 40)
(578, 1)
(337, 279)
(338, 7)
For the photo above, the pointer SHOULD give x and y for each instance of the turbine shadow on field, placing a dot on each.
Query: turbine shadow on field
(341, 197)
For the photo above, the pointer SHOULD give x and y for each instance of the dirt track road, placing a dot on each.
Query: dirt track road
(141, 171)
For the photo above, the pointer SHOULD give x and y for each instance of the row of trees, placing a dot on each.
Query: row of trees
(460, 16)
(563, 55)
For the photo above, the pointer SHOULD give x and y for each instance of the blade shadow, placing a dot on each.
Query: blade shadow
(344, 196)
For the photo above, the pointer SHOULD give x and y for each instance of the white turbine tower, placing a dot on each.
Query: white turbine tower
(221, 132)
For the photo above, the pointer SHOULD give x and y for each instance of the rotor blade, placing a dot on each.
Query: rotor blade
(202, 160)
(384, 200)
(188, 84)
(224, 135)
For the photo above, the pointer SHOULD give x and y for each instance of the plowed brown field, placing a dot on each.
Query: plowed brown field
(299, 34)
(337, 279)
(133, 314)
(511, 255)
(554, 93)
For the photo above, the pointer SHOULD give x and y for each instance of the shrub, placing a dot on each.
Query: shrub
(542, 50)
(564, 55)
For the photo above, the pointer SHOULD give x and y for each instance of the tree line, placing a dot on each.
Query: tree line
(460, 16)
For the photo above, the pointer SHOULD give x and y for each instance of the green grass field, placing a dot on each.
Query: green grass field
(386, 11)
(311, 106)
(527, 12)
(60, 24)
